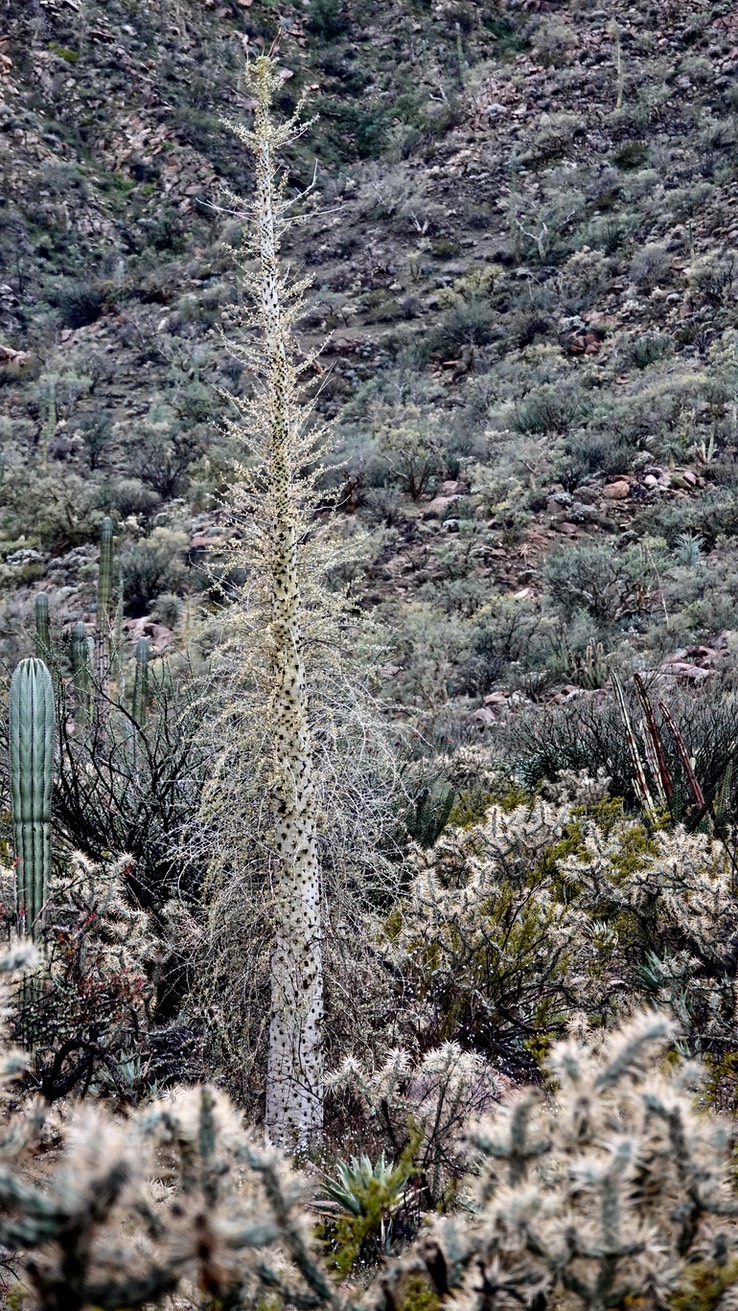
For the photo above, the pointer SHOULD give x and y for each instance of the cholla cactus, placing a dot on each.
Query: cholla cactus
(609, 1194)
(484, 935)
(605, 1195)
(674, 920)
(431, 1097)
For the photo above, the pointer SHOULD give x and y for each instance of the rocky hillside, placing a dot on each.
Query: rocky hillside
(524, 249)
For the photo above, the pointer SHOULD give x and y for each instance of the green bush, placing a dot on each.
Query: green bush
(129, 496)
(710, 515)
(79, 303)
(150, 567)
(550, 408)
(327, 18)
(609, 585)
(589, 452)
(648, 348)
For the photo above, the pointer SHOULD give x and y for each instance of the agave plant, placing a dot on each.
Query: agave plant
(362, 1206)
(355, 1179)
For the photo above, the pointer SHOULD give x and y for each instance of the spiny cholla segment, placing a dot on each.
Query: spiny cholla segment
(609, 1194)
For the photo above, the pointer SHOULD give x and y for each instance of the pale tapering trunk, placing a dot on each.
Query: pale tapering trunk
(294, 1101)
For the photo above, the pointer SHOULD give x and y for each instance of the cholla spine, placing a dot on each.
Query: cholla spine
(601, 1196)
(31, 736)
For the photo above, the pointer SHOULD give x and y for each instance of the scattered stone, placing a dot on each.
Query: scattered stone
(617, 491)
(159, 636)
(483, 717)
(436, 509)
(25, 556)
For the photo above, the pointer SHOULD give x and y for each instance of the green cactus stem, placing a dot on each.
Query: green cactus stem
(104, 597)
(41, 611)
(141, 681)
(31, 769)
(82, 661)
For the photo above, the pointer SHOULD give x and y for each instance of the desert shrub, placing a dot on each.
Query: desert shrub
(411, 445)
(541, 225)
(589, 451)
(468, 322)
(702, 591)
(647, 349)
(554, 136)
(661, 411)
(165, 231)
(504, 633)
(168, 609)
(710, 515)
(505, 498)
(130, 794)
(550, 408)
(130, 496)
(590, 734)
(79, 303)
(95, 432)
(712, 278)
(608, 584)
(608, 234)
(387, 191)
(632, 155)
(57, 510)
(150, 566)
(648, 265)
(163, 450)
(553, 42)
(585, 274)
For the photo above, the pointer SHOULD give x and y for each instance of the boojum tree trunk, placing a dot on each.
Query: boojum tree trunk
(294, 1099)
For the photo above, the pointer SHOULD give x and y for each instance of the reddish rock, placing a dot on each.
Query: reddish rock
(483, 717)
(617, 491)
(438, 507)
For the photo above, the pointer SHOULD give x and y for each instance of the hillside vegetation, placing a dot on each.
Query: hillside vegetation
(368, 628)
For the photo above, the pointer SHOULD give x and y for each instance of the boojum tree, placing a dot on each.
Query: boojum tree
(284, 555)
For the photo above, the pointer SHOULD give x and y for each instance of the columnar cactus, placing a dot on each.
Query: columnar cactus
(104, 595)
(31, 768)
(42, 625)
(141, 681)
(82, 661)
